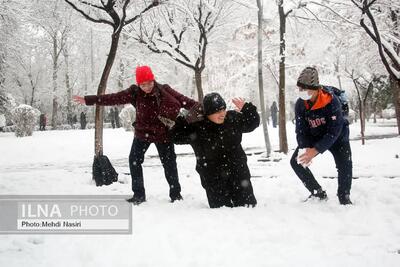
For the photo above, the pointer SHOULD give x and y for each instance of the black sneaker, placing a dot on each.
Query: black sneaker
(137, 200)
(318, 194)
(345, 199)
(176, 197)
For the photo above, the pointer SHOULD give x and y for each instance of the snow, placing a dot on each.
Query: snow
(281, 231)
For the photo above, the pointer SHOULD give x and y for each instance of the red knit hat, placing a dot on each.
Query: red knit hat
(144, 74)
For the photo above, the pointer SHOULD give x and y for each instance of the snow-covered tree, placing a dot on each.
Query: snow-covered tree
(381, 21)
(182, 30)
(25, 119)
(53, 22)
(117, 15)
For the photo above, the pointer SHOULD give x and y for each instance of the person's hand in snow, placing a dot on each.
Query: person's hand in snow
(305, 158)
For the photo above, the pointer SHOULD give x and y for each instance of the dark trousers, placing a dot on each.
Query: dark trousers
(229, 191)
(168, 159)
(274, 121)
(342, 155)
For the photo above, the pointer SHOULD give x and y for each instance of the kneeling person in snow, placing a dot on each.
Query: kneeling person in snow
(216, 141)
(320, 126)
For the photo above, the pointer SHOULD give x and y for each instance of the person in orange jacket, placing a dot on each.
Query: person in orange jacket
(321, 126)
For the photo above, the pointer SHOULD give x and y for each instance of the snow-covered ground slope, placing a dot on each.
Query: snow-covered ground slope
(281, 231)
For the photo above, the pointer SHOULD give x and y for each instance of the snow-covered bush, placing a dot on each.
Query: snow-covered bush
(127, 116)
(389, 113)
(25, 118)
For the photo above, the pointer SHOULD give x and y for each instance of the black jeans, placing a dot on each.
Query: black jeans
(228, 191)
(342, 155)
(168, 159)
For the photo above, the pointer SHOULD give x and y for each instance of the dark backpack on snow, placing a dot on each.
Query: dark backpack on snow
(103, 172)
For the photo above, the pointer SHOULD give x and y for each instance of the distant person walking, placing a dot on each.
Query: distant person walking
(83, 120)
(42, 122)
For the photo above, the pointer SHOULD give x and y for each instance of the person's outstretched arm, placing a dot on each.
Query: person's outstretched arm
(123, 97)
(186, 102)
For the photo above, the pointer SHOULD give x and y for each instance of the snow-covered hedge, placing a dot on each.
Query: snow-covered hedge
(25, 118)
(127, 116)
(389, 113)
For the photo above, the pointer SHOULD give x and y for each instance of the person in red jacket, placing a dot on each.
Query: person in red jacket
(156, 106)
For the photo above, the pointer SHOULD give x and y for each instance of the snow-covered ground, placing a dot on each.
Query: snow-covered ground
(281, 231)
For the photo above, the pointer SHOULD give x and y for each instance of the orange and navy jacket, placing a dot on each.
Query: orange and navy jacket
(320, 124)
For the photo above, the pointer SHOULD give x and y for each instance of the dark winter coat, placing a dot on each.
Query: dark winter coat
(162, 102)
(218, 147)
(42, 120)
(83, 120)
(320, 124)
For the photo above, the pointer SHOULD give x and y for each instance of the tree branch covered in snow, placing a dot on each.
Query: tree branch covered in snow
(388, 56)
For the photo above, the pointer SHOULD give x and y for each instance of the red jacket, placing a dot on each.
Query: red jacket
(163, 101)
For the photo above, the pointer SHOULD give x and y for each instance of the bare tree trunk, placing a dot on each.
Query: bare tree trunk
(199, 84)
(33, 86)
(260, 78)
(362, 122)
(92, 73)
(55, 69)
(375, 109)
(2, 69)
(85, 80)
(395, 86)
(395, 82)
(68, 84)
(91, 57)
(121, 74)
(98, 133)
(283, 144)
(338, 73)
(361, 111)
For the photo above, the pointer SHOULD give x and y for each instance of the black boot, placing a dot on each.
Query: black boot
(345, 199)
(137, 199)
(176, 196)
(318, 194)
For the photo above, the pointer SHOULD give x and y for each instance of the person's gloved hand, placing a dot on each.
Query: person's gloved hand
(195, 114)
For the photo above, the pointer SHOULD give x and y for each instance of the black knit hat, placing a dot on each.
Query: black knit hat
(212, 103)
(308, 79)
